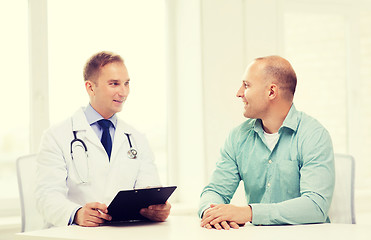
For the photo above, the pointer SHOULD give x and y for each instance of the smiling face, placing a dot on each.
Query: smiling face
(255, 91)
(109, 90)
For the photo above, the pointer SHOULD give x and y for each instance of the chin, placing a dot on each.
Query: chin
(247, 115)
(117, 108)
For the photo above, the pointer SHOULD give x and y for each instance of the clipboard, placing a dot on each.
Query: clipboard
(126, 205)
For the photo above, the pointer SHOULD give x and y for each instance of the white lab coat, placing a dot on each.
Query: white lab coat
(59, 190)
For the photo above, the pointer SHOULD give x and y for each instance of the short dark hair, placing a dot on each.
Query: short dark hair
(282, 72)
(97, 61)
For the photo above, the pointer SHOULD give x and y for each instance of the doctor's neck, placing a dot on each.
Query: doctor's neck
(105, 113)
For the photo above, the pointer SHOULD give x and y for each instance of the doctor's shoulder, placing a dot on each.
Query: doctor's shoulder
(138, 137)
(63, 129)
(128, 128)
(59, 131)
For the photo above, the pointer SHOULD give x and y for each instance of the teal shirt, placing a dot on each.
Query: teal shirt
(292, 184)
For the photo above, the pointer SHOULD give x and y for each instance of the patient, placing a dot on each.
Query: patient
(283, 156)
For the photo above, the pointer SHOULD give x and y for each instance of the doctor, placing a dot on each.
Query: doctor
(85, 160)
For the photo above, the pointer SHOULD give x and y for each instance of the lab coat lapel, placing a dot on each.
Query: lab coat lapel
(80, 123)
(119, 139)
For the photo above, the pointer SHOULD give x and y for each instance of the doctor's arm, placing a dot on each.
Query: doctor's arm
(158, 213)
(92, 215)
(51, 189)
(148, 177)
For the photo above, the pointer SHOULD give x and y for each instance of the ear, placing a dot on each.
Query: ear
(273, 91)
(89, 86)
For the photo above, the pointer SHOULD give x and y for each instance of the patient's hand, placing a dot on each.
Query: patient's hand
(226, 216)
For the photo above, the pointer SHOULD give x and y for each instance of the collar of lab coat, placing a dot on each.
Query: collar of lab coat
(80, 123)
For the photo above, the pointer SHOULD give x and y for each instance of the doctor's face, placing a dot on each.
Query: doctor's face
(109, 91)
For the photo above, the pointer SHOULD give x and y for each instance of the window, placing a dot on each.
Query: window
(14, 121)
(365, 99)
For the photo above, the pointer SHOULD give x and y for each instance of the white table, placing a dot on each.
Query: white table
(187, 227)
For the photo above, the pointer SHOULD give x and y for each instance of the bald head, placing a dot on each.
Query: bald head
(280, 72)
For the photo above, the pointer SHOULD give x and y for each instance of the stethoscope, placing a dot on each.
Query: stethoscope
(132, 153)
(77, 142)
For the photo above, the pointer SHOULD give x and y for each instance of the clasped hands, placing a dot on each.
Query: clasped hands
(94, 214)
(226, 216)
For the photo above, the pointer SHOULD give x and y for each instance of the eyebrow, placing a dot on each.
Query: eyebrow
(116, 80)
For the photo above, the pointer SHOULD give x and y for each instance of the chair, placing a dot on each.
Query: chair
(342, 206)
(26, 173)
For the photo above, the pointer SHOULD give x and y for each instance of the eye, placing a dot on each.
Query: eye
(113, 83)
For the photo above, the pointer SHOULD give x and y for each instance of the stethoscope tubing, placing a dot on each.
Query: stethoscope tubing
(132, 153)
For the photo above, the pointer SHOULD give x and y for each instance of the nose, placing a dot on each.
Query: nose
(241, 92)
(123, 90)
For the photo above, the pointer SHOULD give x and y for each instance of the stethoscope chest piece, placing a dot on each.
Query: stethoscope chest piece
(132, 153)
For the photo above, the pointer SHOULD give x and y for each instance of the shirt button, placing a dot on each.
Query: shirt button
(269, 184)
(270, 161)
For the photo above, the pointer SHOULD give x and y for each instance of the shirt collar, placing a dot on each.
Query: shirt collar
(93, 116)
(291, 121)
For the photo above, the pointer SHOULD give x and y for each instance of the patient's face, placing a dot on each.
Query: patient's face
(254, 91)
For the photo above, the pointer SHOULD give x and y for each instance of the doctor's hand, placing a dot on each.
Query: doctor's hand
(157, 213)
(92, 215)
(226, 216)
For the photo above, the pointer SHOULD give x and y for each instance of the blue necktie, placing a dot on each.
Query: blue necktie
(106, 137)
